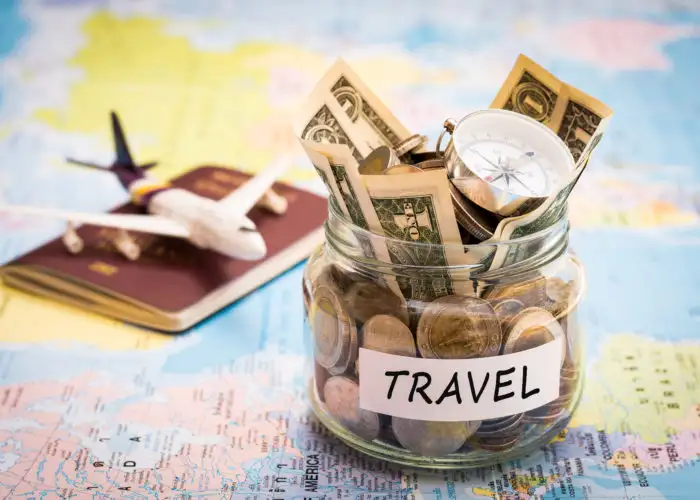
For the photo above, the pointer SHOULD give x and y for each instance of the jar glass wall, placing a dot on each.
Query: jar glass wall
(444, 366)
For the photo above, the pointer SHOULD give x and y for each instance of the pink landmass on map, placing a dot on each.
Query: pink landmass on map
(618, 44)
(226, 422)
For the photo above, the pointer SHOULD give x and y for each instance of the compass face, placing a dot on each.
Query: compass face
(513, 153)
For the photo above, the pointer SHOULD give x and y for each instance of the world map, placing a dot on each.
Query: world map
(93, 408)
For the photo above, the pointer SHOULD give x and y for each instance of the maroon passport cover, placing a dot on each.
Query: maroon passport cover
(172, 274)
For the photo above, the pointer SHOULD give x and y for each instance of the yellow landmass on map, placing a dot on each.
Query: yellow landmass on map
(653, 214)
(185, 106)
(641, 386)
(28, 319)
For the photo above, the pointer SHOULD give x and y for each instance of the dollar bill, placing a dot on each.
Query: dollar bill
(339, 170)
(322, 120)
(417, 208)
(546, 214)
(577, 118)
(573, 115)
(370, 117)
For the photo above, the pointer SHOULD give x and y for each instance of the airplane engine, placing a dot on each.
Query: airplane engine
(71, 240)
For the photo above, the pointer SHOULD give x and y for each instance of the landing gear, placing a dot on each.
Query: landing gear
(72, 241)
(275, 203)
(126, 245)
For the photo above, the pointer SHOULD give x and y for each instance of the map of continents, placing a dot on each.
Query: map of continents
(91, 407)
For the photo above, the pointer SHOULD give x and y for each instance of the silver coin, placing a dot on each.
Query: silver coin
(334, 332)
(410, 143)
(432, 439)
(342, 397)
(458, 327)
(478, 222)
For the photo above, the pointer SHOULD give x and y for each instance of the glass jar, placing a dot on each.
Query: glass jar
(448, 366)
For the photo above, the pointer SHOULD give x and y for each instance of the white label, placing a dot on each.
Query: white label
(454, 390)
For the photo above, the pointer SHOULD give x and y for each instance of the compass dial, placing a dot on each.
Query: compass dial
(503, 158)
(511, 166)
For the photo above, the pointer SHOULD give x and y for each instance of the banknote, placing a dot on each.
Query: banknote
(370, 117)
(322, 120)
(549, 212)
(417, 208)
(323, 168)
(573, 115)
(342, 178)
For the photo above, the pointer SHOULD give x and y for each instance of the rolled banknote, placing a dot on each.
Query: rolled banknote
(371, 119)
(339, 171)
(577, 118)
(531, 90)
(417, 207)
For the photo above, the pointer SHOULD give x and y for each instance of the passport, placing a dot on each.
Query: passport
(173, 284)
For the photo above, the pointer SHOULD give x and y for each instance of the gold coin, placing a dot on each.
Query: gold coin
(377, 161)
(388, 334)
(334, 332)
(533, 327)
(401, 169)
(365, 299)
(456, 327)
(342, 397)
(532, 293)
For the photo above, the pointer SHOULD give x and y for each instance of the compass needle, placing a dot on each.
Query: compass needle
(508, 158)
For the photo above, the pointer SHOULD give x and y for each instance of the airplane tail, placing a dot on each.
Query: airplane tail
(123, 156)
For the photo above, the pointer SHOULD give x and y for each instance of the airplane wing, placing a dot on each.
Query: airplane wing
(248, 194)
(152, 224)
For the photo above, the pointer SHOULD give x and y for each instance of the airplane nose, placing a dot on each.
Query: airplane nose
(256, 247)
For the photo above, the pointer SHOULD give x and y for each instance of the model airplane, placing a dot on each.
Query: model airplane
(221, 225)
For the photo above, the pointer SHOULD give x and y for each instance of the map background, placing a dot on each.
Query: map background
(217, 82)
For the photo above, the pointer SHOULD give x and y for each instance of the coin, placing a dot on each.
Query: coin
(506, 310)
(497, 444)
(365, 299)
(334, 332)
(432, 439)
(388, 334)
(532, 293)
(558, 293)
(456, 327)
(499, 427)
(321, 375)
(479, 222)
(402, 169)
(342, 397)
(378, 160)
(336, 277)
(410, 143)
(533, 327)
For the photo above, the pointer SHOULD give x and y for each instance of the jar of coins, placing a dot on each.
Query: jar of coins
(429, 364)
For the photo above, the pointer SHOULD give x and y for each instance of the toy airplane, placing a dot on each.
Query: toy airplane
(221, 225)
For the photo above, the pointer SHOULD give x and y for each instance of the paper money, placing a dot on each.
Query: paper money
(341, 175)
(370, 117)
(531, 90)
(417, 208)
(577, 118)
(322, 120)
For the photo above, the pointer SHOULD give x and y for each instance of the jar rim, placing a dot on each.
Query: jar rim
(557, 228)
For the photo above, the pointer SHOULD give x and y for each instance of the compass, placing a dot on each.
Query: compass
(505, 162)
